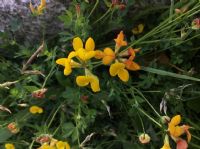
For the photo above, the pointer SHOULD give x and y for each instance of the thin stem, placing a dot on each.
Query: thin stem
(141, 123)
(54, 116)
(97, 1)
(147, 102)
(104, 15)
(142, 111)
(31, 145)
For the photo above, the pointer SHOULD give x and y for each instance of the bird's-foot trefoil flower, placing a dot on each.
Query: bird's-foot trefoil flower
(123, 60)
(87, 79)
(39, 10)
(84, 53)
(177, 131)
(35, 110)
(68, 63)
(118, 69)
(9, 146)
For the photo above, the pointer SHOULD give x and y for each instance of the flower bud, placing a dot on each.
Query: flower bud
(13, 128)
(165, 119)
(144, 138)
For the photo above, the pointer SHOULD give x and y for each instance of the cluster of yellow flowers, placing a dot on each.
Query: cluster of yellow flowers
(81, 56)
(176, 131)
(39, 10)
(55, 144)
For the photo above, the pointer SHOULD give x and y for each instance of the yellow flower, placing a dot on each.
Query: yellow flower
(35, 110)
(62, 145)
(120, 40)
(68, 64)
(39, 9)
(119, 69)
(46, 146)
(84, 53)
(166, 143)
(89, 78)
(139, 29)
(9, 146)
(175, 130)
(144, 138)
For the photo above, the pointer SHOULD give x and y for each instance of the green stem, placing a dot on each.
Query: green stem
(148, 102)
(31, 146)
(104, 15)
(97, 1)
(54, 116)
(142, 111)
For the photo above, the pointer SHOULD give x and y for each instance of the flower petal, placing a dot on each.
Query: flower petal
(77, 43)
(82, 80)
(109, 56)
(72, 54)
(130, 65)
(114, 68)
(123, 75)
(90, 45)
(181, 144)
(120, 40)
(61, 61)
(85, 55)
(94, 82)
(175, 120)
(99, 54)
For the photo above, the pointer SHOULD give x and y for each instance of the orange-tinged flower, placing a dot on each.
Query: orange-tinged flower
(119, 70)
(120, 40)
(181, 144)
(109, 56)
(176, 131)
(39, 93)
(35, 110)
(131, 65)
(13, 127)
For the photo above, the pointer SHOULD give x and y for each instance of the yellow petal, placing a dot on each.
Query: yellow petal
(114, 68)
(175, 120)
(60, 145)
(123, 75)
(176, 131)
(9, 146)
(61, 61)
(90, 45)
(94, 81)
(72, 54)
(82, 80)
(77, 43)
(67, 70)
(32, 8)
(85, 55)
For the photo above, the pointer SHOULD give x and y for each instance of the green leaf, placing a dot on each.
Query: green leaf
(169, 74)
(4, 135)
